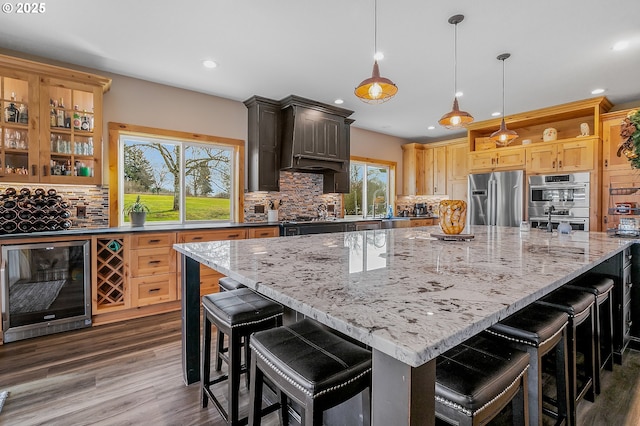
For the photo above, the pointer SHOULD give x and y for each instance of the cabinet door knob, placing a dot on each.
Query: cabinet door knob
(34, 169)
(44, 170)
(560, 164)
(553, 164)
(606, 163)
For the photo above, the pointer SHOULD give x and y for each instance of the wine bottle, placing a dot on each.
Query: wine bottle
(11, 113)
(60, 114)
(76, 117)
(53, 117)
(23, 113)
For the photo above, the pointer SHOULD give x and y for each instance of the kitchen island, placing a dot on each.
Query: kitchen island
(401, 292)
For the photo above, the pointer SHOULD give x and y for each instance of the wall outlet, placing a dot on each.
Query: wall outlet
(258, 208)
(81, 211)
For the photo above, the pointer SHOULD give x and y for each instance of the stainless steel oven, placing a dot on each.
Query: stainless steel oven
(558, 198)
(45, 288)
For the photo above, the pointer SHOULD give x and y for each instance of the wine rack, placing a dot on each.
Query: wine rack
(33, 211)
(110, 273)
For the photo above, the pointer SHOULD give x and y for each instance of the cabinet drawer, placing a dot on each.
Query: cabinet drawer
(223, 234)
(154, 261)
(627, 321)
(155, 289)
(626, 257)
(628, 283)
(421, 222)
(265, 232)
(143, 241)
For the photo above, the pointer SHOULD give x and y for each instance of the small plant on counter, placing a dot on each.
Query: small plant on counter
(137, 212)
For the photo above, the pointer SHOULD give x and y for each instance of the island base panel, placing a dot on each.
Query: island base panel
(190, 320)
(401, 394)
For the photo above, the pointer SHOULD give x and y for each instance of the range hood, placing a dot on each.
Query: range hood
(315, 136)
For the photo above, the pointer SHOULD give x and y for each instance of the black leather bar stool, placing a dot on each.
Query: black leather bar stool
(580, 338)
(226, 284)
(477, 379)
(540, 331)
(312, 366)
(237, 313)
(601, 287)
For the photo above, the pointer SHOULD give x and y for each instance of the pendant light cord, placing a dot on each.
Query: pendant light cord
(455, 61)
(503, 104)
(375, 28)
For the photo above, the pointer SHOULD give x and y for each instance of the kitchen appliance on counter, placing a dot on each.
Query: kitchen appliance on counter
(45, 288)
(559, 198)
(420, 209)
(496, 198)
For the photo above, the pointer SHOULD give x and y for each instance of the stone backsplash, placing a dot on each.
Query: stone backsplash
(301, 196)
(94, 198)
(407, 202)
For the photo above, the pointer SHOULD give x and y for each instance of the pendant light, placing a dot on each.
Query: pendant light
(455, 119)
(376, 90)
(503, 136)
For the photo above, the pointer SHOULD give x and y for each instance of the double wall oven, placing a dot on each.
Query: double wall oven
(559, 198)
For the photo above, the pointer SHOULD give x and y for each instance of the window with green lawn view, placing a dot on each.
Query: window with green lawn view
(369, 196)
(179, 181)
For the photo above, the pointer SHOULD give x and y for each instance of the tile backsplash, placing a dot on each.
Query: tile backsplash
(301, 195)
(95, 199)
(406, 202)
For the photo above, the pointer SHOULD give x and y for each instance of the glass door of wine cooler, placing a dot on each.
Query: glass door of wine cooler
(45, 288)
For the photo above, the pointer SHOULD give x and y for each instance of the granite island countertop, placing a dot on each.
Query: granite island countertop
(403, 292)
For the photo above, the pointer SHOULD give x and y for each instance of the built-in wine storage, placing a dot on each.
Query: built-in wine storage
(38, 210)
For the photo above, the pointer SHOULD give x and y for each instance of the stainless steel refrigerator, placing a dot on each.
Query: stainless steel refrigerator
(496, 198)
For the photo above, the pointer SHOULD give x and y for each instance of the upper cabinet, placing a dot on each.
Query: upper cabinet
(263, 150)
(573, 156)
(51, 127)
(427, 168)
(297, 134)
(576, 147)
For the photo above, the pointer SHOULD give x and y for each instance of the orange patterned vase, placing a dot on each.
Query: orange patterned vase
(453, 214)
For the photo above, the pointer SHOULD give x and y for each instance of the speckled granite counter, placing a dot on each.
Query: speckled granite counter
(400, 291)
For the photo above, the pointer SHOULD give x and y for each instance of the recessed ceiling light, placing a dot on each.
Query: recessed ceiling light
(378, 56)
(431, 127)
(458, 94)
(597, 91)
(621, 45)
(496, 114)
(209, 64)
(338, 101)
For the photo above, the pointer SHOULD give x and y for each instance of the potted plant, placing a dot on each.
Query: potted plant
(137, 212)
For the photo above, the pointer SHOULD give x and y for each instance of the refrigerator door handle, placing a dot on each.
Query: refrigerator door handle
(491, 202)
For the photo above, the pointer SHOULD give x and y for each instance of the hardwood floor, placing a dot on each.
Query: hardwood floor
(129, 374)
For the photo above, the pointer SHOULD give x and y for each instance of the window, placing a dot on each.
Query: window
(372, 188)
(180, 180)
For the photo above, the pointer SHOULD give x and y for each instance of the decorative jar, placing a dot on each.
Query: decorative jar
(453, 214)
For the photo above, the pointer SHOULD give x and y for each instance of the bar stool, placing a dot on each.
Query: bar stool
(540, 330)
(601, 287)
(226, 284)
(312, 366)
(477, 379)
(580, 337)
(238, 313)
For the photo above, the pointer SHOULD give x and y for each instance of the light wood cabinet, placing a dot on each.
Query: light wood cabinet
(424, 169)
(263, 232)
(422, 222)
(209, 277)
(567, 157)
(152, 263)
(457, 170)
(510, 158)
(47, 143)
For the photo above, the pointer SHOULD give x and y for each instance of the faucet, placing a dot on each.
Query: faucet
(549, 226)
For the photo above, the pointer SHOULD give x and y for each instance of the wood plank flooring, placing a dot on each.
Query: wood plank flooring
(129, 373)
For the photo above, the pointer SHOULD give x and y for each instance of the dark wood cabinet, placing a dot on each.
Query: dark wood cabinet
(263, 145)
(340, 181)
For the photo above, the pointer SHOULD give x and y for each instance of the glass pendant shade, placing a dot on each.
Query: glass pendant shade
(455, 119)
(503, 136)
(376, 90)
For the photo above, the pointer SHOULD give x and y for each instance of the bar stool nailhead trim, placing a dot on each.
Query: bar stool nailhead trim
(470, 413)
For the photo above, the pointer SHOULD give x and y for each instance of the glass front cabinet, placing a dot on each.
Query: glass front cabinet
(51, 125)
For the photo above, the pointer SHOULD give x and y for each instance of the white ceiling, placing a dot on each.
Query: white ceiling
(561, 50)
